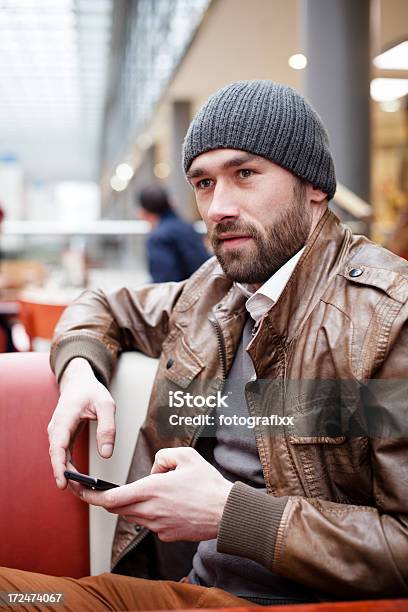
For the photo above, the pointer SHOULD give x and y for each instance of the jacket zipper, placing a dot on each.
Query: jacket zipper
(222, 353)
(221, 346)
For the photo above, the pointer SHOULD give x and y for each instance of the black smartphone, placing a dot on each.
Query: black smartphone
(97, 484)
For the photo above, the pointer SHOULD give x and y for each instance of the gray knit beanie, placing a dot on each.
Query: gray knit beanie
(267, 119)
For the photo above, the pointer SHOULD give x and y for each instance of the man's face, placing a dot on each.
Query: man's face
(255, 211)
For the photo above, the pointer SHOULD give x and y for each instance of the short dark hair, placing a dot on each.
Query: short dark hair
(154, 199)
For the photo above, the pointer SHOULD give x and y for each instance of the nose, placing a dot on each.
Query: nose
(223, 204)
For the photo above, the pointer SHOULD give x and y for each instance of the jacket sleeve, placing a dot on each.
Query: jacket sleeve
(349, 551)
(98, 325)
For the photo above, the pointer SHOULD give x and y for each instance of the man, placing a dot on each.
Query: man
(174, 249)
(298, 510)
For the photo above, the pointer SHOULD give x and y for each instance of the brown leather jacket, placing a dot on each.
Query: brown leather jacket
(336, 514)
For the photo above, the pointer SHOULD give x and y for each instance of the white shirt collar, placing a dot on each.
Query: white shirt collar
(260, 301)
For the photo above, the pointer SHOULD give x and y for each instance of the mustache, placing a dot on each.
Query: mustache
(233, 227)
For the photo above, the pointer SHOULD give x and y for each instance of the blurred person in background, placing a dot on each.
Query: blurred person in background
(174, 249)
(15, 335)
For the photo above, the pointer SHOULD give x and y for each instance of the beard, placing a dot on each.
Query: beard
(270, 249)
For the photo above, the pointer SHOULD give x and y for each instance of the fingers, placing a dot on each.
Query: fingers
(142, 513)
(136, 512)
(125, 495)
(103, 499)
(106, 430)
(82, 398)
(75, 487)
(167, 459)
(59, 435)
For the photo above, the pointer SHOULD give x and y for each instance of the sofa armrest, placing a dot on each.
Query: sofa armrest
(131, 387)
(42, 529)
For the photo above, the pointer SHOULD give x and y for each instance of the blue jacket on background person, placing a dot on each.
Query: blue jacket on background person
(174, 249)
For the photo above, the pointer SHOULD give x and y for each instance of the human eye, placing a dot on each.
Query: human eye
(245, 173)
(203, 184)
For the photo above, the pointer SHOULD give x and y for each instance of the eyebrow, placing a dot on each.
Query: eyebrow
(238, 160)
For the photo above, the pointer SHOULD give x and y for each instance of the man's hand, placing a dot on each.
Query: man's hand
(82, 397)
(182, 499)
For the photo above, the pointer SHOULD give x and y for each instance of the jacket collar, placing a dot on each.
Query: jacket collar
(260, 301)
(323, 257)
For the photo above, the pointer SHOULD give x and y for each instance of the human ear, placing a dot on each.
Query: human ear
(315, 195)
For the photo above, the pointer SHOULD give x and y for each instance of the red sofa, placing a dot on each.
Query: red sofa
(42, 529)
(46, 530)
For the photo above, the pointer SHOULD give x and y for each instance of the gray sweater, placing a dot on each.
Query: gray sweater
(236, 457)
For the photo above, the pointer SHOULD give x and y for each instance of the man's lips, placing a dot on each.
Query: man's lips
(232, 240)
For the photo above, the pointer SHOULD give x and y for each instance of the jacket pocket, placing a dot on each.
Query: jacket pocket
(336, 469)
(326, 444)
(179, 363)
(326, 412)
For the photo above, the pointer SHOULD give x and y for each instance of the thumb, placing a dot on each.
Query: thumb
(166, 459)
(105, 430)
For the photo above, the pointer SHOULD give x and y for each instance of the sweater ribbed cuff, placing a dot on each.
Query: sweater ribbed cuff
(82, 345)
(250, 523)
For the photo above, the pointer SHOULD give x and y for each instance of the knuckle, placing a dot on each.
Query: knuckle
(107, 406)
(52, 423)
(111, 499)
(188, 452)
(128, 518)
(144, 490)
(52, 450)
(108, 430)
(163, 536)
(105, 400)
(161, 453)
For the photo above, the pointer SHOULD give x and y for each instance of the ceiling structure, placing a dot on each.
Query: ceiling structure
(228, 43)
(58, 78)
(53, 77)
(224, 48)
(152, 37)
(79, 77)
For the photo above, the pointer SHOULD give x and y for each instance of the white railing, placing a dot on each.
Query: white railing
(344, 198)
(352, 203)
(95, 228)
